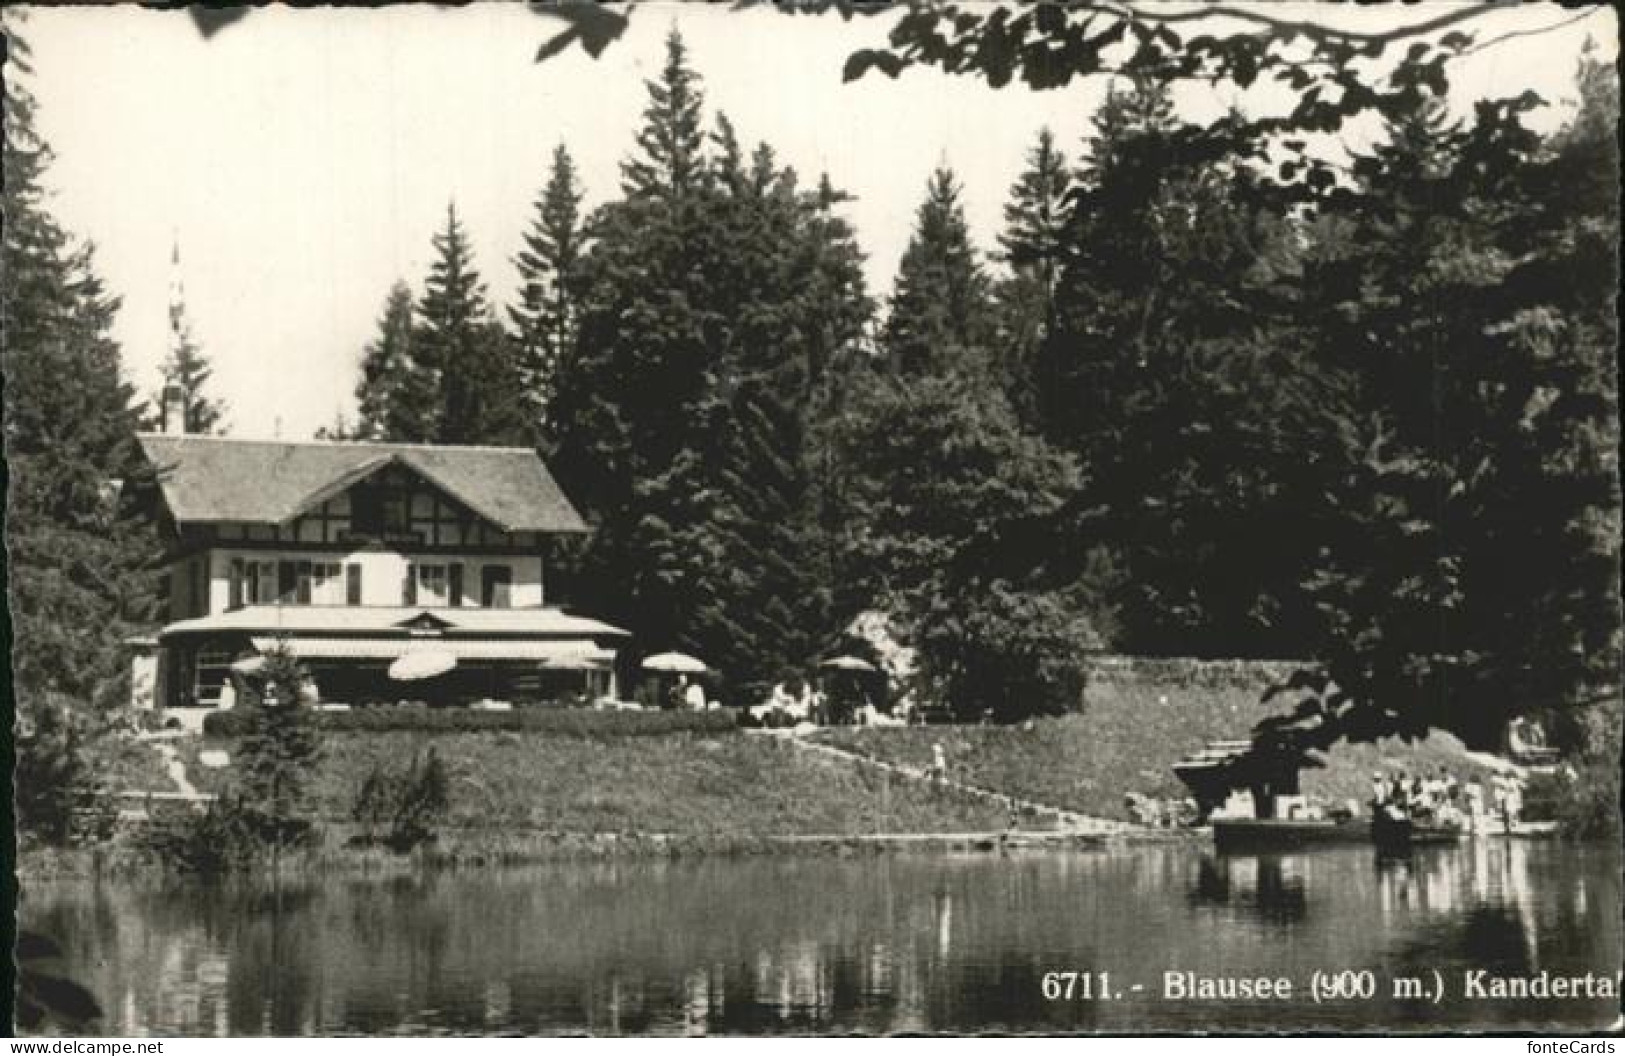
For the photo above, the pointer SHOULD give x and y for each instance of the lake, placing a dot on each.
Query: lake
(873, 944)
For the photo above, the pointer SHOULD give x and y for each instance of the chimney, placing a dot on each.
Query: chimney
(173, 410)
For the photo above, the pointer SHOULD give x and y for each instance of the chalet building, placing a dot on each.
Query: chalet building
(355, 555)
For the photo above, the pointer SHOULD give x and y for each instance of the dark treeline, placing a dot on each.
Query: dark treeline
(79, 560)
(1182, 408)
(1197, 400)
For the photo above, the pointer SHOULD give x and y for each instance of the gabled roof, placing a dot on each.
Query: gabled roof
(207, 478)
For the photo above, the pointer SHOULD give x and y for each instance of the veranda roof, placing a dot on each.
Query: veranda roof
(217, 479)
(406, 623)
(565, 655)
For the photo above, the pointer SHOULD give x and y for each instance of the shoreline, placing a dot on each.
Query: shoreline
(456, 849)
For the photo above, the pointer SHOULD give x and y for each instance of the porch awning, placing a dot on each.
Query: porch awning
(566, 654)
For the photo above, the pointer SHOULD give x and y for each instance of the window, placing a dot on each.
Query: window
(234, 589)
(397, 512)
(259, 587)
(366, 511)
(302, 594)
(327, 583)
(454, 584)
(352, 584)
(428, 585)
(432, 584)
(496, 586)
(211, 670)
(380, 510)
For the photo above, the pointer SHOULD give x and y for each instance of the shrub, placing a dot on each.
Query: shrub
(412, 803)
(225, 837)
(55, 779)
(1584, 802)
(565, 722)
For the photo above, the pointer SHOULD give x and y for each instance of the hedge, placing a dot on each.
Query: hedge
(565, 722)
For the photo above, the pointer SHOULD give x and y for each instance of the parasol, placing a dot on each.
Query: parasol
(848, 663)
(674, 663)
(421, 663)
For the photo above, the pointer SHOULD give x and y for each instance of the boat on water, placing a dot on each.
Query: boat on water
(1278, 834)
(1287, 834)
(1392, 833)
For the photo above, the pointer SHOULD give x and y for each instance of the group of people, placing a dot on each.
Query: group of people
(1442, 799)
(796, 699)
(688, 694)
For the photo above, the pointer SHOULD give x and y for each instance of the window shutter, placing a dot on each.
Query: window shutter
(454, 584)
(287, 576)
(352, 584)
(234, 598)
(409, 586)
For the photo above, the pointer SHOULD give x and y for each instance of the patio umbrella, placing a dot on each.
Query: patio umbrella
(421, 663)
(249, 665)
(674, 663)
(848, 663)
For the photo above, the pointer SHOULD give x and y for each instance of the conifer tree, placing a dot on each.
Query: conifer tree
(544, 321)
(1031, 247)
(186, 370)
(685, 408)
(78, 556)
(941, 308)
(397, 393)
(671, 143)
(474, 364)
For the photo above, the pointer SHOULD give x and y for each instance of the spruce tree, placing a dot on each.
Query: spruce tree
(671, 143)
(941, 307)
(685, 408)
(1031, 248)
(79, 557)
(544, 321)
(397, 393)
(474, 364)
(186, 371)
(1035, 216)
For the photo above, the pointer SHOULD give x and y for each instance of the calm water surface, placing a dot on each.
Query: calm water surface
(871, 945)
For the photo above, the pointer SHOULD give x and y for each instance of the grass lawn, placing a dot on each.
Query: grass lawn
(729, 785)
(737, 785)
(1127, 740)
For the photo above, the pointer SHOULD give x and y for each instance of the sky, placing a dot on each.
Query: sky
(303, 158)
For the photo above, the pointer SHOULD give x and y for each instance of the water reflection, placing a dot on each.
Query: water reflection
(877, 945)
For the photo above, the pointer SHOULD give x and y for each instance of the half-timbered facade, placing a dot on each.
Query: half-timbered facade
(354, 554)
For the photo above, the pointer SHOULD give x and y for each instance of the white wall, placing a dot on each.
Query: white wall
(382, 573)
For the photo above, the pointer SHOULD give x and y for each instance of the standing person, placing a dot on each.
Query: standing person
(1475, 805)
(1498, 798)
(1513, 804)
(939, 762)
